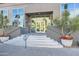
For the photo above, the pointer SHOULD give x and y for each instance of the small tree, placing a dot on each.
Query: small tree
(65, 24)
(74, 24)
(3, 21)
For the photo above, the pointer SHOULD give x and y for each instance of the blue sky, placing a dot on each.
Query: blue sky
(70, 7)
(73, 8)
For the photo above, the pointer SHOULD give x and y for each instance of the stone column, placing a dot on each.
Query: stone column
(51, 18)
(28, 23)
(10, 15)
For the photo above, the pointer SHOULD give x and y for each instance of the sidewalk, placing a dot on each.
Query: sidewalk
(36, 46)
(11, 50)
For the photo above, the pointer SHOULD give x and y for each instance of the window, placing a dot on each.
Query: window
(71, 8)
(20, 12)
(5, 12)
(76, 9)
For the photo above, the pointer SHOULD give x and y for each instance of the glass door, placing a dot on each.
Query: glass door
(40, 26)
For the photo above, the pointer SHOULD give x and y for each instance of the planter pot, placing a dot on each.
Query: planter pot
(67, 43)
(3, 39)
(1, 32)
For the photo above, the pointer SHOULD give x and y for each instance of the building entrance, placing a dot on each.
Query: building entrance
(40, 21)
(38, 25)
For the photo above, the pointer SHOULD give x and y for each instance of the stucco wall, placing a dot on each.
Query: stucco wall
(44, 7)
(33, 7)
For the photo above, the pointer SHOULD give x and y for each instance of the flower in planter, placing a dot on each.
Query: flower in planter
(66, 37)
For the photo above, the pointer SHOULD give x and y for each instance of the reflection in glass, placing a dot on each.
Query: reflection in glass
(70, 8)
(20, 12)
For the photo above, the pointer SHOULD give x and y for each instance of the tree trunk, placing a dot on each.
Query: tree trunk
(3, 30)
(25, 44)
(62, 31)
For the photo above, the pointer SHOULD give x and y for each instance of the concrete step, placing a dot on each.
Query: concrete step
(35, 41)
(42, 41)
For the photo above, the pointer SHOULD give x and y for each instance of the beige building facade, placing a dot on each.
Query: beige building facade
(32, 12)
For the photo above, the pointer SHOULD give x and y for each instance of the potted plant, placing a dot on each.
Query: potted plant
(67, 26)
(3, 24)
(66, 40)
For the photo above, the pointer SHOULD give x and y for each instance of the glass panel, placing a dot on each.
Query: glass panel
(5, 12)
(14, 12)
(76, 5)
(39, 24)
(20, 13)
(70, 8)
(62, 8)
(76, 9)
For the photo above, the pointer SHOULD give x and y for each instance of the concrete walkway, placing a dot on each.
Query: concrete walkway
(42, 41)
(35, 41)
(36, 46)
(11, 50)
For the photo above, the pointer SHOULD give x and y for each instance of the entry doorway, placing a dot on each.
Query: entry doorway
(39, 21)
(39, 25)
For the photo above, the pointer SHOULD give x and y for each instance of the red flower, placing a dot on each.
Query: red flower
(67, 37)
